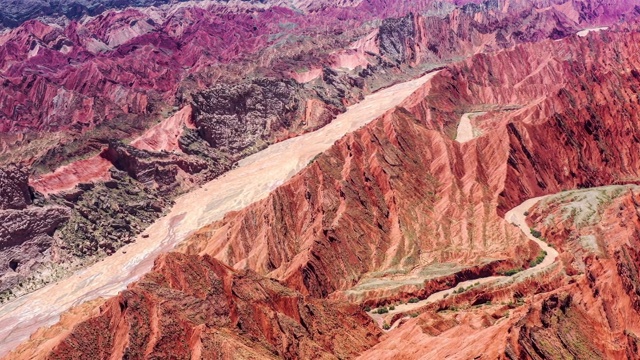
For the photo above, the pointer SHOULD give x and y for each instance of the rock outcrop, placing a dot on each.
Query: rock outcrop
(214, 107)
(70, 227)
(217, 313)
(64, 178)
(26, 231)
(593, 291)
(597, 232)
(563, 115)
(60, 77)
(14, 187)
(243, 118)
(372, 185)
(164, 171)
(352, 204)
(577, 101)
(106, 216)
(166, 135)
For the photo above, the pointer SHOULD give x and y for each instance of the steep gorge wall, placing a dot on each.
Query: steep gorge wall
(365, 204)
(161, 64)
(392, 196)
(574, 127)
(191, 306)
(577, 101)
(26, 230)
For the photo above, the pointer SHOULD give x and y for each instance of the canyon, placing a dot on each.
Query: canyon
(449, 179)
(115, 148)
(514, 216)
(252, 180)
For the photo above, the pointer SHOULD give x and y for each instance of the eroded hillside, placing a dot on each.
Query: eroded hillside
(398, 213)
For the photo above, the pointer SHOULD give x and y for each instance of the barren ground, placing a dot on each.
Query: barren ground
(465, 129)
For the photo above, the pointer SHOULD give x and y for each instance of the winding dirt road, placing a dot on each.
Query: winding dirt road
(254, 178)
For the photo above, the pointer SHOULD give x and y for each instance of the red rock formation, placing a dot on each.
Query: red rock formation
(69, 176)
(346, 206)
(165, 136)
(64, 78)
(169, 172)
(576, 101)
(191, 306)
(306, 76)
(566, 135)
(601, 252)
(392, 202)
(588, 309)
(14, 188)
(372, 185)
(393, 195)
(113, 75)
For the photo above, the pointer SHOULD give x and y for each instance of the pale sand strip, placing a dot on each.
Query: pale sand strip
(465, 129)
(584, 32)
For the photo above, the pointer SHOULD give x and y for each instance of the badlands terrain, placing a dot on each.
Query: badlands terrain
(337, 179)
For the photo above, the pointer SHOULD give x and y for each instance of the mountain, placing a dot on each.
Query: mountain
(411, 215)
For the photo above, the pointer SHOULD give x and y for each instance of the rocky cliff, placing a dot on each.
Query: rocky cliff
(388, 198)
(217, 313)
(591, 290)
(557, 141)
(441, 199)
(597, 232)
(342, 208)
(577, 100)
(26, 230)
(14, 188)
